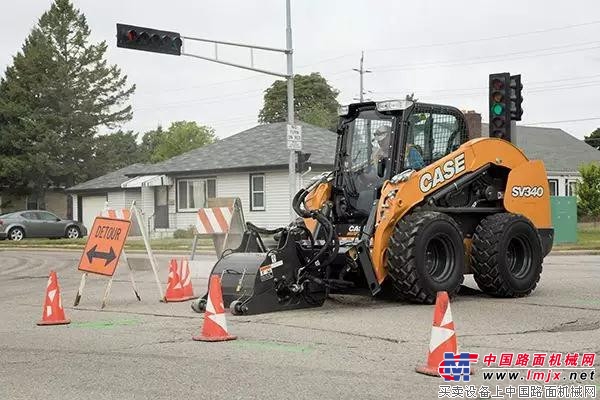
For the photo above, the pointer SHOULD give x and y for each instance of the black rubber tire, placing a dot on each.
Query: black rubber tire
(198, 305)
(413, 277)
(506, 255)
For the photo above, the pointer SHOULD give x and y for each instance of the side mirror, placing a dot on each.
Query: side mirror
(58, 219)
(381, 167)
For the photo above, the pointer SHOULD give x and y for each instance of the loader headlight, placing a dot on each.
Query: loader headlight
(402, 176)
(392, 105)
(343, 111)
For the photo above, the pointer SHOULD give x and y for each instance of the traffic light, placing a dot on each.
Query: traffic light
(516, 98)
(138, 38)
(500, 106)
(302, 163)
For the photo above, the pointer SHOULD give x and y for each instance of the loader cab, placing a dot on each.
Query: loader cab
(378, 140)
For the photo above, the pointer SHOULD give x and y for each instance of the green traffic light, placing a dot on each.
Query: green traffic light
(497, 109)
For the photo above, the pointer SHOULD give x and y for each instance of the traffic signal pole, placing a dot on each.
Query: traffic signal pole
(290, 100)
(167, 42)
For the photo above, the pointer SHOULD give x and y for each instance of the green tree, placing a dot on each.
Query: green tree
(314, 101)
(54, 97)
(115, 151)
(182, 136)
(594, 139)
(588, 191)
(150, 141)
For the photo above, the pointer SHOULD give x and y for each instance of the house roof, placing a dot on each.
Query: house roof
(263, 146)
(560, 151)
(112, 180)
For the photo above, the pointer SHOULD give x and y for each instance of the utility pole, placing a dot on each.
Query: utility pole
(362, 72)
(290, 99)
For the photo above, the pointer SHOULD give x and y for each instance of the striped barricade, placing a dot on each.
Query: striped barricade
(124, 213)
(222, 221)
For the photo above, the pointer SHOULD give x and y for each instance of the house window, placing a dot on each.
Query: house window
(193, 193)
(553, 184)
(257, 192)
(32, 202)
(571, 188)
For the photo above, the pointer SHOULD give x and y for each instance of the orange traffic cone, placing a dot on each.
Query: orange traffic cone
(214, 328)
(174, 290)
(53, 312)
(443, 337)
(186, 281)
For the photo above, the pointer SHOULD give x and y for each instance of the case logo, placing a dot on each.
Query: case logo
(442, 173)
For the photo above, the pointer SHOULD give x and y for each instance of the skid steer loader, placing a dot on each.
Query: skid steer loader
(411, 206)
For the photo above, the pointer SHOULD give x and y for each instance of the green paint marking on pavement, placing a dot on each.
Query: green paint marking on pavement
(292, 348)
(588, 301)
(105, 324)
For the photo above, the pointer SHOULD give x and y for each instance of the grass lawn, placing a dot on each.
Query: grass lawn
(131, 244)
(588, 238)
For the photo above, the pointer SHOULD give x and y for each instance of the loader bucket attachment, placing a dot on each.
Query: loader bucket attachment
(256, 283)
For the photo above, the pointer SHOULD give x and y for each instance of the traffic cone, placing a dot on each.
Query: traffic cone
(214, 328)
(174, 289)
(443, 337)
(53, 312)
(186, 281)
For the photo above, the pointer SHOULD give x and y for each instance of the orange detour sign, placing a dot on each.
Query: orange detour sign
(104, 246)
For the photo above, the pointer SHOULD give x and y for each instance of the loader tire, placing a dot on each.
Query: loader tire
(426, 255)
(506, 255)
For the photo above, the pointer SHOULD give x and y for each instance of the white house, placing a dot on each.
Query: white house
(253, 165)
(562, 154)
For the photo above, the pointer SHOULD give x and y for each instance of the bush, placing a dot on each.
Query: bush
(588, 192)
(185, 233)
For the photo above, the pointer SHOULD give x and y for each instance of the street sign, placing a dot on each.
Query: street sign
(104, 246)
(294, 137)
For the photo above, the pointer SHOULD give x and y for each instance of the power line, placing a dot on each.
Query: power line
(564, 120)
(458, 42)
(485, 39)
(495, 57)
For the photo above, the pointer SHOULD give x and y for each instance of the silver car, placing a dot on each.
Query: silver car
(38, 224)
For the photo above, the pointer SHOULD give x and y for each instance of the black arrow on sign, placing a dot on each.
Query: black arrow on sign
(107, 257)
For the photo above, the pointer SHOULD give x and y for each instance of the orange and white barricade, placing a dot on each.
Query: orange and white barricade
(223, 222)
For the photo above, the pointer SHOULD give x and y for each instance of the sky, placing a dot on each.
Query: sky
(443, 51)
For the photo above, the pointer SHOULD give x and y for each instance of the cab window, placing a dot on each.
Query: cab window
(431, 136)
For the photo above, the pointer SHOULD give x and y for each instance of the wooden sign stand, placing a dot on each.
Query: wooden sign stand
(133, 211)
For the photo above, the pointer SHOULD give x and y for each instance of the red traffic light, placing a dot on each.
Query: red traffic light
(497, 84)
(148, 39)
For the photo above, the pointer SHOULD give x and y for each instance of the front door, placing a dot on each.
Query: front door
(161, 207)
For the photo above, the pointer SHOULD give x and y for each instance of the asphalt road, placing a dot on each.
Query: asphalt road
(352, 348)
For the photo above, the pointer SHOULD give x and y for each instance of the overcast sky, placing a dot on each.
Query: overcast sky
(440, 50)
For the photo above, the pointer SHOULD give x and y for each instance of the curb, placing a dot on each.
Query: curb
(575, 253)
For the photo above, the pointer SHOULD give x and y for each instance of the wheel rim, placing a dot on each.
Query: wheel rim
(16, 235)
(73, 233)
(439, 258)
(518, 256)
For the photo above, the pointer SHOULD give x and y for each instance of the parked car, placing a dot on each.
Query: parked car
(38, 224)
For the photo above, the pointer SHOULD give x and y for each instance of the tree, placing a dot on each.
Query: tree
(54, 97)
(594, 139)
(115, 151)
(150, 141)
(182, 136)
(588, 191)
(314, 101)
